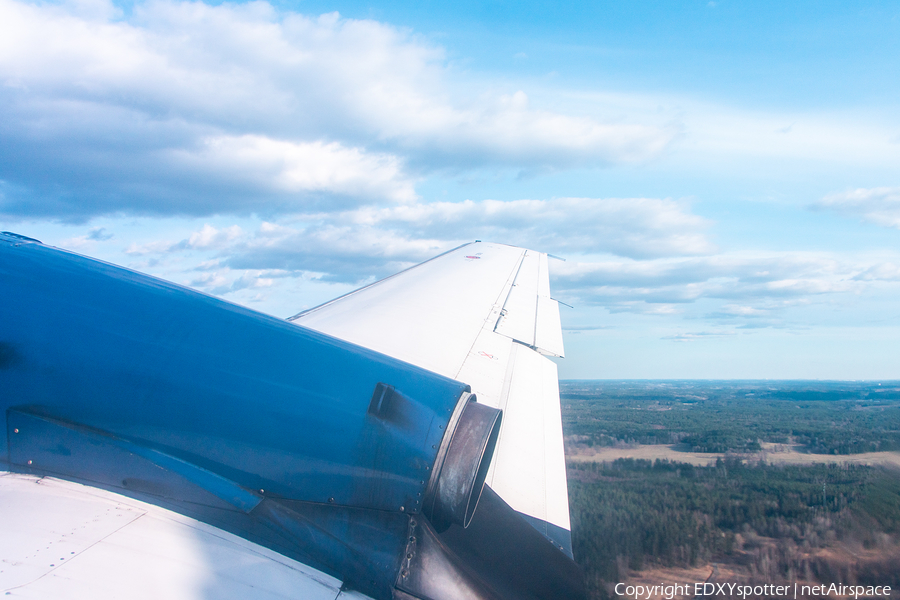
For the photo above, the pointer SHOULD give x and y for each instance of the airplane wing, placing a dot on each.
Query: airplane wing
(66, 540)
(168, 440)
(482, 314)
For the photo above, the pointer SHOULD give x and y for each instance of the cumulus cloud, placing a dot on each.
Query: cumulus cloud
(89, 240)
(876, 205)
(752, 285)
(206, 238)
(886, 271)
(736, 310)
(297, 261)
(336, 253)
(301, 167)
(221, 284)
(356, 245)
(353, 247)
(359, 245)
(187, 108)
(634, 227)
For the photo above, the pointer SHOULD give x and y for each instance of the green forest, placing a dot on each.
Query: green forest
(822, 417)
(629, 515)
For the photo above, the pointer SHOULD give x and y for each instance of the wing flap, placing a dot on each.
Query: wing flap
(529, 465)
(548, 329)
(529, 315)
(517, 320)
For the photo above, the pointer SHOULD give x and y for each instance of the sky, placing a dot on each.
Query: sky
(721, 177)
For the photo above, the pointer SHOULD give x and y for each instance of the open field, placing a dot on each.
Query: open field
(771, 453)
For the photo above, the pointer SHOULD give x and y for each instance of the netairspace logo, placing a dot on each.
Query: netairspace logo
(736, 590)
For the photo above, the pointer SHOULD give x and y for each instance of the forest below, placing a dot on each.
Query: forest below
(710, 416)
(774, 523)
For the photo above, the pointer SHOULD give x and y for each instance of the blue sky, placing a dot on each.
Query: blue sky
(723, 178)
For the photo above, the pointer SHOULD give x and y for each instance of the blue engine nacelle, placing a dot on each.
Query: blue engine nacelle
(333, 454)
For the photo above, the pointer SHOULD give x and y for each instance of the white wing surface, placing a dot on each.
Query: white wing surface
(481, 314)
(66, 540)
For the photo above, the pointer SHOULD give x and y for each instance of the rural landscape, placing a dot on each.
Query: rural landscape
(746, 482)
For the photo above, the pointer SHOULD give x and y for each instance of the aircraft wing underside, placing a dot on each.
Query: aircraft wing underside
(400, 442)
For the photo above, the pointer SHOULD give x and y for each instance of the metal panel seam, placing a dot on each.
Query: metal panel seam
(509, 293)
(537, 312)
(111, 533)
(510, 281)
(503, 401)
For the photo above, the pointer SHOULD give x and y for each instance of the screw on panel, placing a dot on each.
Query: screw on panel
(402, 508)
(15, 431)
(29, 462)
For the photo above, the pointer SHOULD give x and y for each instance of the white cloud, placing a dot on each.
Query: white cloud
(210, 237)
(740, 140)
(154, 247)
(752, 285)
(187, 108)
(698, 335)
(636, 227)
(876, 205)
(301, 260)
(665, 275)
(331, 251)
(886, 271)
(743, 311)
(220, 283)
(310, 167)
(205, 238)
(357, 245)
(88, 241)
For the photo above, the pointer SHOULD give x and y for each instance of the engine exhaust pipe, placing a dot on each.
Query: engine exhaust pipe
(462, 464)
